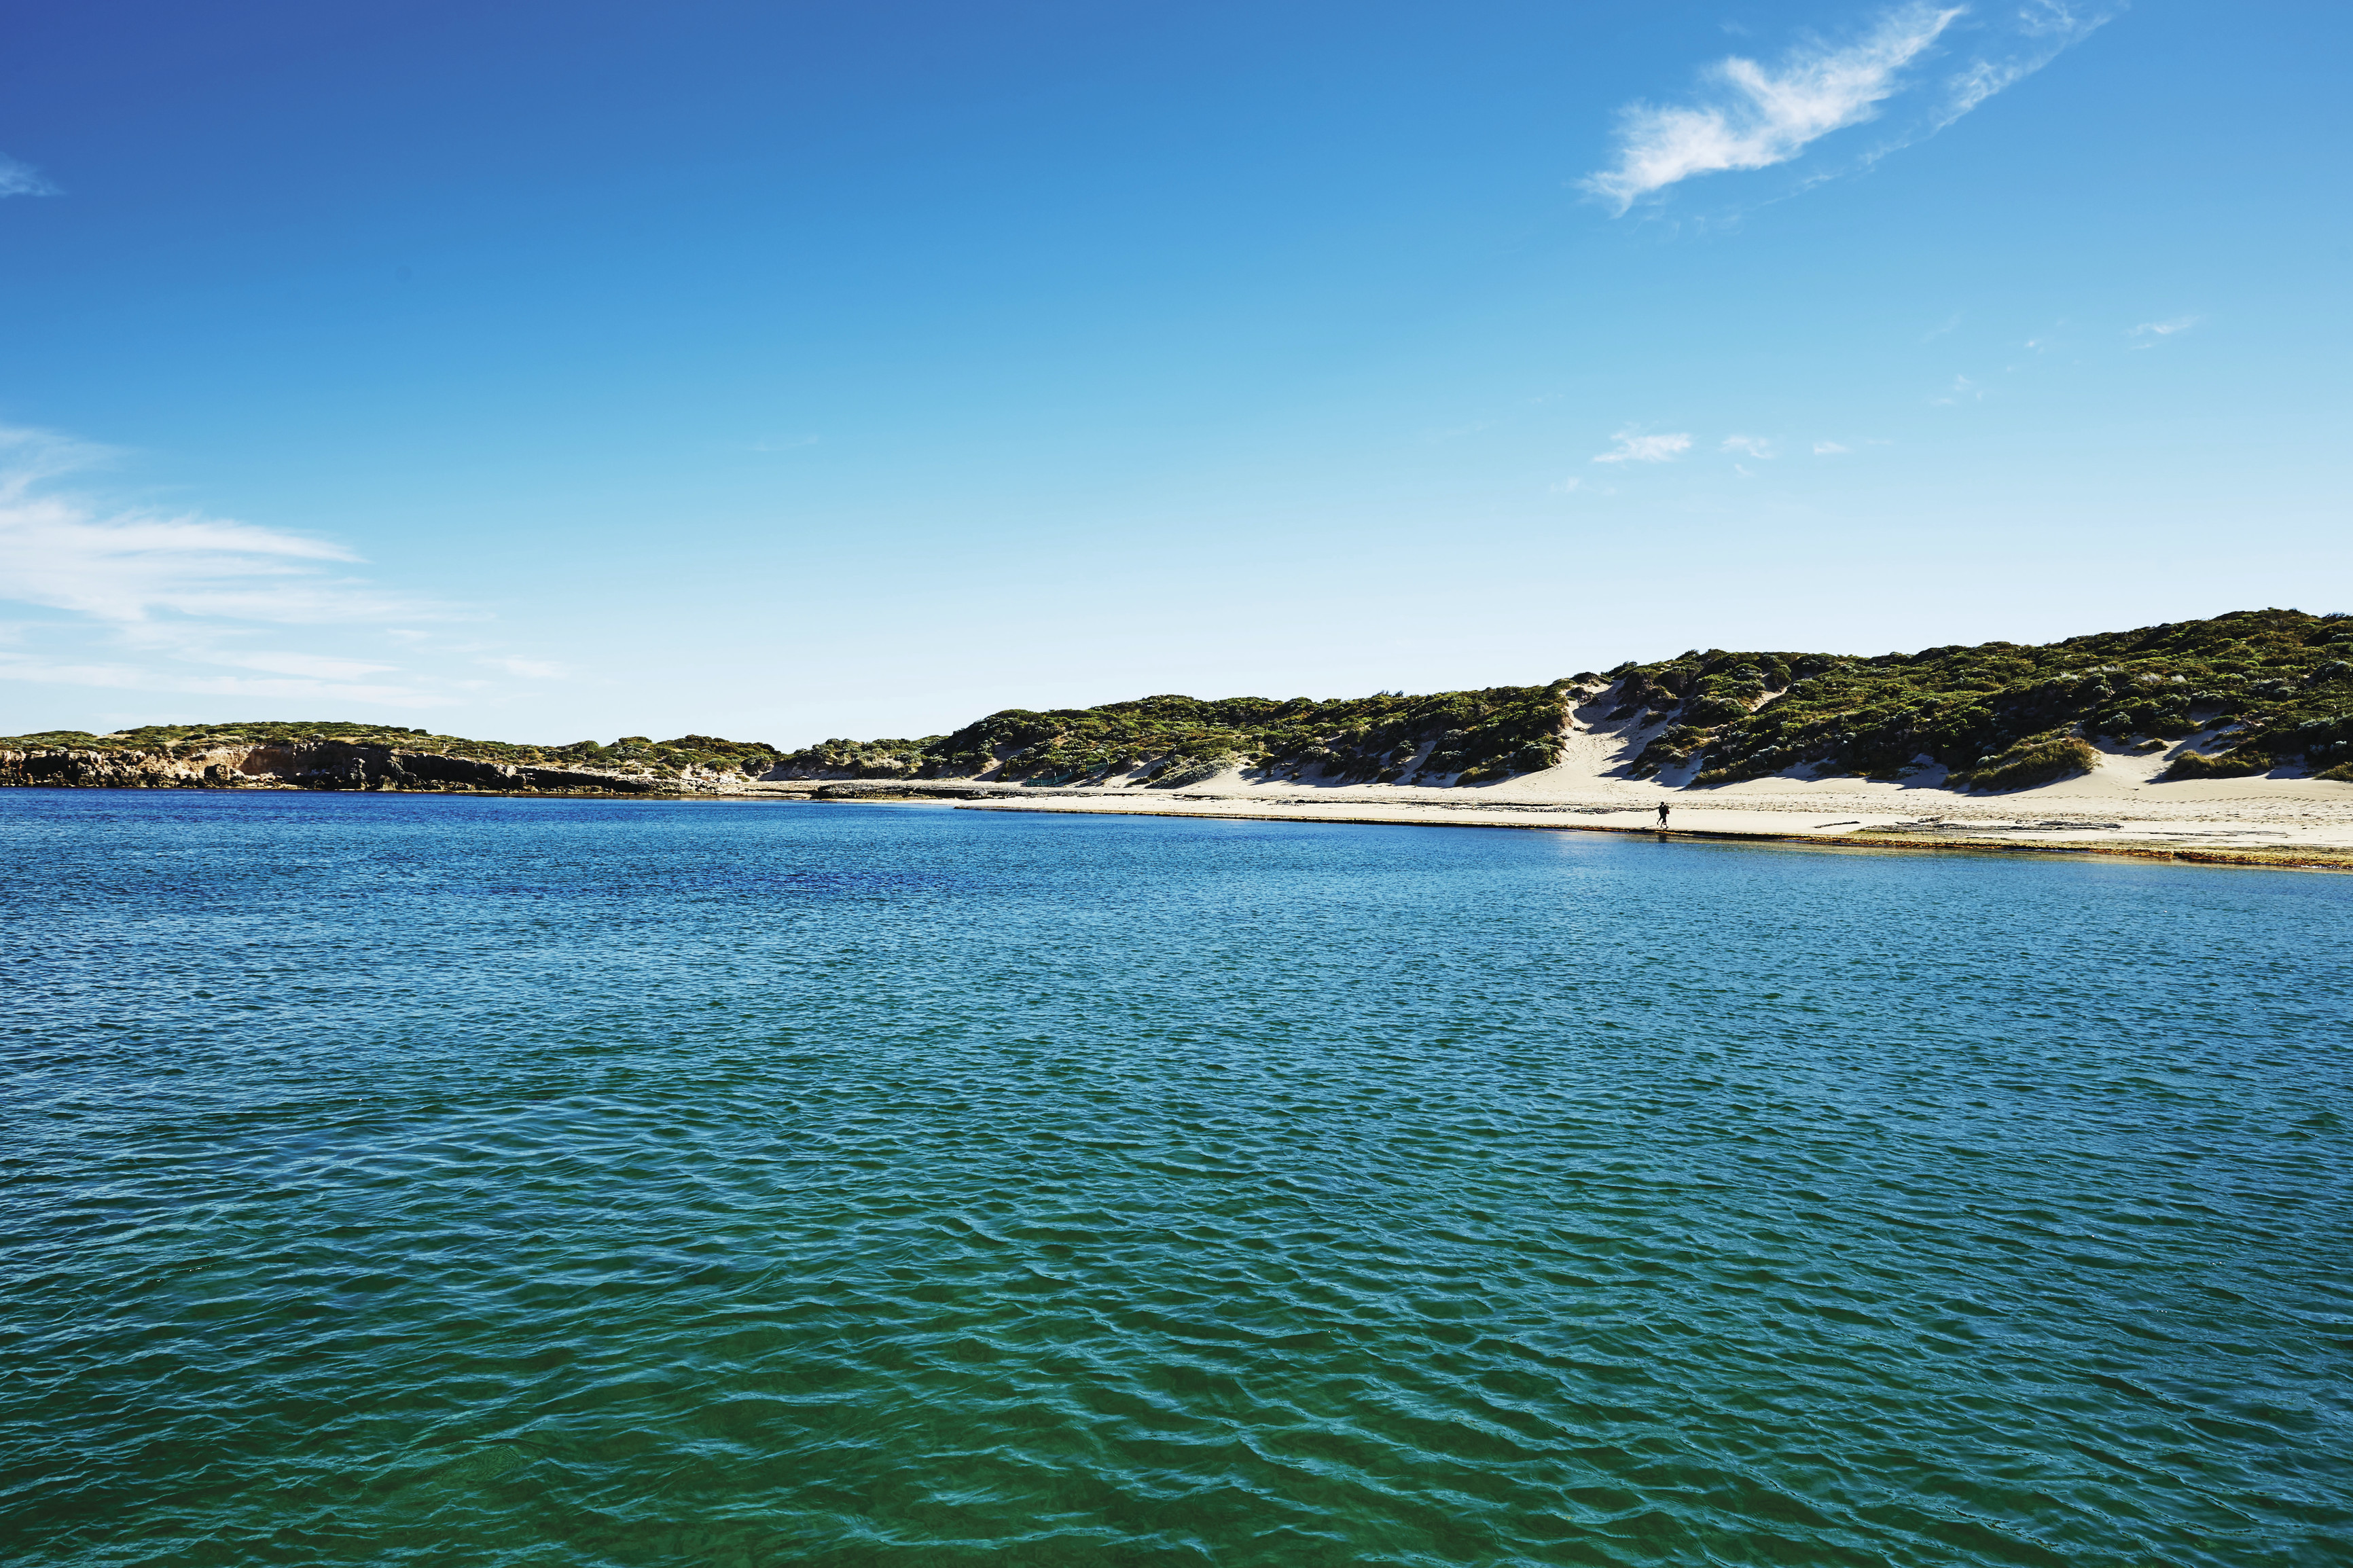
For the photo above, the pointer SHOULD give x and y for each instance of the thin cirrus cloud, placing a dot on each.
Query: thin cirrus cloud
(167, 602)
(18, 179)
(1752, 116)
(2163, 329)
(1634, 448)
(66, 553)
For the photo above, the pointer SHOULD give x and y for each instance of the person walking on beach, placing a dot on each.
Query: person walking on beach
(1662, 816)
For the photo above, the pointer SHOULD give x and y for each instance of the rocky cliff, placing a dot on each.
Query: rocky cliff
(326, 764)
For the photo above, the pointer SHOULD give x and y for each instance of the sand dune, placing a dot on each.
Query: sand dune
(2119, 805)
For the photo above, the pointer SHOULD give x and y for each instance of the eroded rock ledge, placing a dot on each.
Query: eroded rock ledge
(328, 764)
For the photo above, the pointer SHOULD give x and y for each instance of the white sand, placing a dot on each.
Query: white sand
(2118, 803)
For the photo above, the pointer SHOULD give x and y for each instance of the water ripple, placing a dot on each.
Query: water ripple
(521, 1183)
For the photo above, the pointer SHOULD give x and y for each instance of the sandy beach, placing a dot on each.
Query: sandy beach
(2120, 808)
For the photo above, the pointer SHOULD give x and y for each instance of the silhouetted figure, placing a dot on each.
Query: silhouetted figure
(1662, 816)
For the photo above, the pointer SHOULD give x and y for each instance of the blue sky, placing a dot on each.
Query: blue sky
(782, 371)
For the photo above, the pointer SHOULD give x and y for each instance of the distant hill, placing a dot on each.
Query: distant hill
(337, 754)
(2001, 715)
(1997, 715)
(2266, 689)
(1468, 737)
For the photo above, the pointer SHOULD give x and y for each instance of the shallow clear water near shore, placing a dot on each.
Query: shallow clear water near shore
(398, 1179)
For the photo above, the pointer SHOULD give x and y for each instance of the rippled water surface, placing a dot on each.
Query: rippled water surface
(410, 1180)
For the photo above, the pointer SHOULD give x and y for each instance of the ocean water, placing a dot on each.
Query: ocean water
(490, 1183)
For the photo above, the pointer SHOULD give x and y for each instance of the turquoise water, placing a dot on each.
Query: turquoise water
(414, 1180)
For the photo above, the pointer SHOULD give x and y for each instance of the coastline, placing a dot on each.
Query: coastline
(2119, 807)
(2319, 857)
(2282, 823)
(2123, 802)
(2291, 826)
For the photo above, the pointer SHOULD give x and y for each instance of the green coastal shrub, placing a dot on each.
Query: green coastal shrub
(2038, 759)
(1992, 713)
(2236, 763)
(630, 752)
(1191, 773)
(1347, 740)
(2272, 671)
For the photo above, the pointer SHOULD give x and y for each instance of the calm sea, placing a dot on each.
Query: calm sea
(491, 1183)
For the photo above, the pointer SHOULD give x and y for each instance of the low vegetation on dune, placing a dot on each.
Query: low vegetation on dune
(858, 759)
(1467, 737)
(2036, 759)
(2252, 691)
(2272, 686)
(630, 754)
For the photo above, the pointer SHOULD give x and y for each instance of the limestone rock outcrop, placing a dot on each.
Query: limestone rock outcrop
(322, 765)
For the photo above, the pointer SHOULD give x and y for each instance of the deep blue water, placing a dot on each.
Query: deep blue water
(441, 1181)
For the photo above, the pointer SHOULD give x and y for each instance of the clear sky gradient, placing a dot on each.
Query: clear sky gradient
(546, 371)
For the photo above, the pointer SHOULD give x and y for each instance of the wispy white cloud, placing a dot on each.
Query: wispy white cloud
(2042, 29)
(1567, 487)
(2163, 329)
(1634, 448)
(1830, 450)
(1762, 117)
(156, 600)
(22, 179)
(1754, 446)
(1752, 116)
(66, 553)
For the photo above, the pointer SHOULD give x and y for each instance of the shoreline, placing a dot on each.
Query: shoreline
(2282, 858)
(2309, 829)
